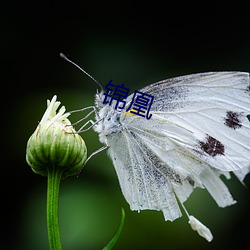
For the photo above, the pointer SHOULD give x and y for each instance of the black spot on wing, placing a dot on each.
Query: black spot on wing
(233, 119)
(191, 181)
(212, 146)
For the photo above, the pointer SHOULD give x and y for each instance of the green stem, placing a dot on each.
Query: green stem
(54, 177)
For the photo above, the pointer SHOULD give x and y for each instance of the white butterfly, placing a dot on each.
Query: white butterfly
(198, 131)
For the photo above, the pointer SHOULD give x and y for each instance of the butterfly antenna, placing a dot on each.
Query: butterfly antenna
(68, 60)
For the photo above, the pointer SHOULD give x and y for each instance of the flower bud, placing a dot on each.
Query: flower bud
(55, 144)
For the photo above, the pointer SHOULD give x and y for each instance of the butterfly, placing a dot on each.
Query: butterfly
(198, 131)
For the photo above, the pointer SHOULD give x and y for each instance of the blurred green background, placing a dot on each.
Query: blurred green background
(132, 44)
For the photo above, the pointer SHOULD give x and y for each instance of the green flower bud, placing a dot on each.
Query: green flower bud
(55, 144)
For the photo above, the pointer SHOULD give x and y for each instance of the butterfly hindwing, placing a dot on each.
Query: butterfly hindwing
(142, 183)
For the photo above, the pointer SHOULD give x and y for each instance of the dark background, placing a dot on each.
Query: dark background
(134, 43)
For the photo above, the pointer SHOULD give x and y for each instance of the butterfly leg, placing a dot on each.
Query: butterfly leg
(86, 116)
(81, 129)
(96, 152)
(91, 155)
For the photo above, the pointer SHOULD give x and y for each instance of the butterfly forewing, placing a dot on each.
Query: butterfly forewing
(212, 108)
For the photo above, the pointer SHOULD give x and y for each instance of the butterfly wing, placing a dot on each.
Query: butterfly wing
(214, 108)
(140, 182)
(198, 131)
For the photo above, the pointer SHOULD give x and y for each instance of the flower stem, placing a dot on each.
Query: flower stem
(54, 177)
